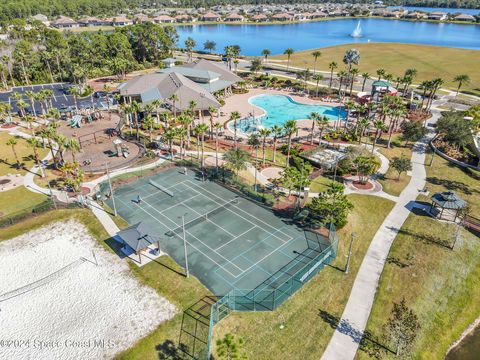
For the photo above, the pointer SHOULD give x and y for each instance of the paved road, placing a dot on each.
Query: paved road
(345, 341)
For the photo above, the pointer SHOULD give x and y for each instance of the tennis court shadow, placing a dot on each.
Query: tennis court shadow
(168, 350)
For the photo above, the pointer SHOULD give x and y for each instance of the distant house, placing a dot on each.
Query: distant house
(42, 18)
(378, 12)
(141, 18)
(234, 18)
(282, 17)
(183, 18)
(414, 15)
(64, 22)
(121, 20)
(92, 21)
(260, 18)
(437, 16)
(164, 19)
(211, 16)
(319, 14)
(464, 17)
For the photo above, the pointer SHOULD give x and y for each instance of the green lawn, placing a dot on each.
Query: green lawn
(15, 200)
(391, 184)
(24, 153)
(430, 61)
(441, 285)
(320, 184)
(308, 313)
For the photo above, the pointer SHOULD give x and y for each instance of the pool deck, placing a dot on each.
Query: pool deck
(240, 103)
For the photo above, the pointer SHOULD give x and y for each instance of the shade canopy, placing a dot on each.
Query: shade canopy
(448, 200)
(138, 236)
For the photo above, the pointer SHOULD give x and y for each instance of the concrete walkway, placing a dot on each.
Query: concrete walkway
(345, 341)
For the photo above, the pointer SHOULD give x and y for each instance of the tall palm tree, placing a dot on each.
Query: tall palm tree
(217, 127)
(174, 98)
(380, 73)
(316, 54)
(186, 120)
(157, 103)
(461, 79)
(362, 124)
(254, 143)
(72, 145)
(365, 77)
(31, 97)
(314, 116)
(75, 92)
(277, 132)
(332, 66)
(234, 116)
(22, 105)
(343, 75)
(34, 143)
(169, 135)
(135, 109)
(289, 128)
(322, 122)
(148, 124)
(12, 142)
(349, 105)
(266, 53)
(380, 127)
(264, 133)
(289, 52)
(317, 78)
(212, 111)
(236, 159)
(354, 72)
(200, 130)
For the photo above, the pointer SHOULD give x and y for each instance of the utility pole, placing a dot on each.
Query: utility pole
(111, 191)
(187, 272)
(352, 237)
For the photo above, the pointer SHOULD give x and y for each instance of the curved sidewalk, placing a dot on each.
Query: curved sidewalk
(346, 339)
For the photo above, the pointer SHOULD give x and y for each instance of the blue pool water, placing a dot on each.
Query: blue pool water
(280, 108)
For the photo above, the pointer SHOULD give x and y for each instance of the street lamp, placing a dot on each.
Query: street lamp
(111, 190)
(185, 245)
(349, 252)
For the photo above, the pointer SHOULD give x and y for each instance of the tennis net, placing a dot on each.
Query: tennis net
(203, 217)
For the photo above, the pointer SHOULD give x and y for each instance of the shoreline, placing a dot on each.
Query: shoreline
(468, 331)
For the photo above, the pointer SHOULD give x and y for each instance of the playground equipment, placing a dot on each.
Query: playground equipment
(120, 148)
(76, 121)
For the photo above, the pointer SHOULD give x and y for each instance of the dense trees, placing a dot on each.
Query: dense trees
(43, 55)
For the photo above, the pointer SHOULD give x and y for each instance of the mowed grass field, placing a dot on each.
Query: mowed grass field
(442, 286)
(430, 61)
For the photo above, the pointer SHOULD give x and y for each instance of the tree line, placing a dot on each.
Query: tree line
(41, 55)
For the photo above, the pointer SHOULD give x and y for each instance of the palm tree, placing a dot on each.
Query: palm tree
(332, 66)
(349, 105)
(34, 143)
(380, 127)
(264, 133)
(354, 72)
(169, 135)
(234, 116)
(237, 159)
(254, 143)
(72, 145)
(189, 45)
(186, 120)
(200, 130)
(22, 105)
(317, 78)
(49, 133)
(265, 54)
(135, 109)
(75, 92)
(322, 123)
(157, 103)
(362, 124)
(31, 96)
(148, 124)
(316, 54)
(289, 128)
(352, 56)
(277, 131)
(289, 52)
(174, 98)
(217, 127)
(365, 77)
(314, 116)
(212, 111)
(12, 142)
(6, 60)
(380, 73)
(343, 75)
(107, 88)
(60, 140)
(461, 79)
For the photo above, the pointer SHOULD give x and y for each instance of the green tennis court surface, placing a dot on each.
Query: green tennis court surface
(232, 243)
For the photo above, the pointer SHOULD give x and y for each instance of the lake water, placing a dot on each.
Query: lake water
(303, 36)
(468, 349)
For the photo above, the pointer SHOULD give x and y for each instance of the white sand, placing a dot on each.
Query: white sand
(85, 312)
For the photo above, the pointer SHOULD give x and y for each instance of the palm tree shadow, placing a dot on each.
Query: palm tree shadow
(168, 350)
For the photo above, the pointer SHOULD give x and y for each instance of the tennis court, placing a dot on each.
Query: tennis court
(232, 243)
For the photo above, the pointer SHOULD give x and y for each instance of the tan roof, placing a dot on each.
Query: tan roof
(282, 16)
(164, 18)
(120, 19)
(259, 17)
(210, 15)
(163, 86)
(225, 74)
(234, 16)
(64, 20)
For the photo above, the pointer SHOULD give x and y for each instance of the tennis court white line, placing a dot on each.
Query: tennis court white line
(235, 238)
(135, 191)
(200, 251)
(190, 235)
(218, 197)
(180, 203)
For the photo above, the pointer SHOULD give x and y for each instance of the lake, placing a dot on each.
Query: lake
(468, 349)
(303, 36)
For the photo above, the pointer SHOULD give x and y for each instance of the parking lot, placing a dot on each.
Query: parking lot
(61, 99)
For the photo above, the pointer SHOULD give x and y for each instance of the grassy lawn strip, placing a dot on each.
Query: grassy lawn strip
(306, 333)
(15, 200)
(430, 61)
(24, 153)
(391, 184)
(442, 286)
(164, 277)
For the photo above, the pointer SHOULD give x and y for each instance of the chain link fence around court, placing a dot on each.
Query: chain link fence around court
(268, 297)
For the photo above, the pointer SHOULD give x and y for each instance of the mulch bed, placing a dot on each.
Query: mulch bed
(8, 126)
(361, 186)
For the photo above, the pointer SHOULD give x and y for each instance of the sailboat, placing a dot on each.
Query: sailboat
(357, 32)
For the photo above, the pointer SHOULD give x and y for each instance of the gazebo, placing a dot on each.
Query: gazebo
(446, 205)
(139, 237)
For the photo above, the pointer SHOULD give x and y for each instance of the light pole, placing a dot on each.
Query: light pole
(349, 252)
(185, 245)
(111, 191)
(335, 171)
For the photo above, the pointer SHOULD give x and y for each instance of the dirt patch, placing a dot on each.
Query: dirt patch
(362, 186)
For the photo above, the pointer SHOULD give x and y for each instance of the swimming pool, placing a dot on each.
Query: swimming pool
(281, 108)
